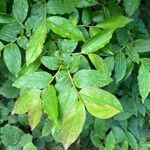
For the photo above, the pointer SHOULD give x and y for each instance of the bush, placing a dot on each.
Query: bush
(74, 72)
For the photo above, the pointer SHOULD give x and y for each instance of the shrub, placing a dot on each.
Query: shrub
(75, 72)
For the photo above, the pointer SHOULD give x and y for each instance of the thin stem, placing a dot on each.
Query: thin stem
(76, 53)
(122, 48)
(55, 74)
(86, 26)
(73, 84)
(12, 41)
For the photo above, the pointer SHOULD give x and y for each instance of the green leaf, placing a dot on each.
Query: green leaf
(26, 138)
(35, 112)
(8, 91)
(123, 36)
(131, 6)
(24, 102)
(146, 63)
(22, 41)
(29, 102)
(5, 18)
(64, 28)
(86, 3)
(66, 98)
(86, 16)
(51, 62)
(67, 46)
(1, 46)
(120, 66)
(75, 63)
(110, 63)
(33, 22)
(99, 63)
(72, 124)
(119, 134)
(61, 7)
(142, 45)
(3, 6)
(4, 113)
(125, 146)
(114, 22)
(10, 135)
(9, 32)
(29, 146)
(132, 141)
(84, 64)
(62, 81)
(93, 31)
(46, 129)
(129, 69)
(50, 102)
(97, 42)
(12, 58)
(14, 147)
(35, 45)
(89, 77)
(110, 141)
(20, 9)
(144, 82)
(100, 103)
(36, 80)
(133, 54)
(30, 69)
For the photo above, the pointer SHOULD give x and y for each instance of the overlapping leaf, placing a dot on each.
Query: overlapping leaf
(64, 28)
(114, 22)
(72, 124)
(89, 77)
(97, 42)
(36, 80)
(20, 9)
(35, 45)
(100, 103)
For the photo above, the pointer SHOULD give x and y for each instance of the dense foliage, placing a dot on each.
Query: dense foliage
(74, 71)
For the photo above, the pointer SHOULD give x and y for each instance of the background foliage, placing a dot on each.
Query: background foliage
(74, 66)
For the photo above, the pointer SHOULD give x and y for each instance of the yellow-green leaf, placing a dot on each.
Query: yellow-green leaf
(30, 102)
(100, 103)
(50, 102)
(24, 102)
(125, 145)
(110, 141)
(114, 22)
(64, 28)
(97, 42)
(72, 124)
(35, 112)
(35, 45)
(99, 63)
(144, 82)
(30, 69)
(67, 98)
